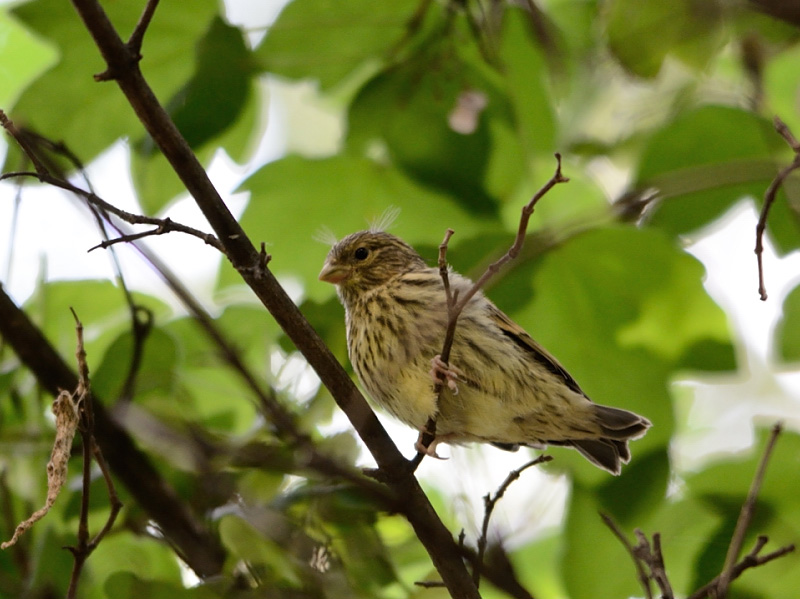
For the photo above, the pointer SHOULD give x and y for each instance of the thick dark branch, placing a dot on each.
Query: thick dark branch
(196, 545)
(769, 199)
(123, 66)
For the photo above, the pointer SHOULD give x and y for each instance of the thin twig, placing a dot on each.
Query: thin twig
(84, 547)
(751, 560)
(137, 37)
(459, 302)
(490, 502)
(641, 574)
(769, 199)
(746, 515)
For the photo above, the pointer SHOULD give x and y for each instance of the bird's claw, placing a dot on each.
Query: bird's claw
(441, 371)
(430, 450)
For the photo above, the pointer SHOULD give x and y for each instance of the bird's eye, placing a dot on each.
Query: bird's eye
(361, 253)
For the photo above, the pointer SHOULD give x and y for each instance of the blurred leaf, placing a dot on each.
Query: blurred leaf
(594, 564)
(327, 40)
(91, 116)
(23, 57)
(641, 33)
(704, 162)
(156, 371)
(216, 103)
(99, 304)
(525, 78)
(410, 108)
(787, 333)
(291, 202)
(591, 294)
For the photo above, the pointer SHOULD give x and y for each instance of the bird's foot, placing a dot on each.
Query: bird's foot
(430, 450)
(441, 372)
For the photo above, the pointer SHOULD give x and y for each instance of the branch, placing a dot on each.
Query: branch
(437, 540)
(746, 514)
(164, 225)
(641, 574)
(85, 547)
(489, 504)
(751, 560)
(769, 199)
(455, 304)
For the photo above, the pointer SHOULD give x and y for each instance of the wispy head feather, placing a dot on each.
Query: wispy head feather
(325, 235)
(385, 220)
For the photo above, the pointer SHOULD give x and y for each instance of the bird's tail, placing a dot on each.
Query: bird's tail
(617, 427)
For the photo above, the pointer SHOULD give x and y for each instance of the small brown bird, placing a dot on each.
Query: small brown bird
(502, 388)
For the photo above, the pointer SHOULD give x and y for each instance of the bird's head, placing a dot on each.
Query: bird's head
(368, 259)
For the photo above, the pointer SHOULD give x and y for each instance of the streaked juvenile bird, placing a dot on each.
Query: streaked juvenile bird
(502, 387)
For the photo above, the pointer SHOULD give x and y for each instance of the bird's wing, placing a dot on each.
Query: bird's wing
(518, 335)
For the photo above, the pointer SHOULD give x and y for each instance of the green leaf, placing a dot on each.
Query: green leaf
(327, 40)
(90, 115)
(525, 76)
(408, 109)
(23, 57)
(704, 162)
(641, 33)
(294, 198)
(597, 307)
(217, 104)
(594, 563)
(155, 373)
(787, 333)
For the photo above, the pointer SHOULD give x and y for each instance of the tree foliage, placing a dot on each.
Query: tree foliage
(451, 111)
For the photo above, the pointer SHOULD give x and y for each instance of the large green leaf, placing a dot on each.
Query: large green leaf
(294, 198)
(23, 57)
(641, 33)
(91, 116)
(704, 162)
(327, 40)
(600, 304)
(217, 104)
(408, 109)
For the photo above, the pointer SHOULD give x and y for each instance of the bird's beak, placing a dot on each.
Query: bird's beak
(334, 273)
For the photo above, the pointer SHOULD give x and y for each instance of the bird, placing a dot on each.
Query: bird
(499, 386)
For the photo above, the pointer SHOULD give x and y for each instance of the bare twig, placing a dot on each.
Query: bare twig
(490, 502)
(641, 574)
(751, 560)
(769, 199)
(42, 173)
(746, 515)
(455, 305)
(137, 37)
(84, 547)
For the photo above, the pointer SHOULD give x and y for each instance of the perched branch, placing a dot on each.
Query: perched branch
(769, 199)
(455, 305)
(437, 540)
